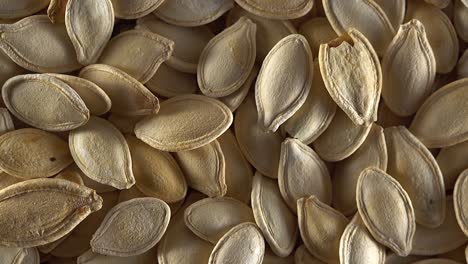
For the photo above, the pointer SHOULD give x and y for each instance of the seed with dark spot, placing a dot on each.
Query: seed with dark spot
(52, 159)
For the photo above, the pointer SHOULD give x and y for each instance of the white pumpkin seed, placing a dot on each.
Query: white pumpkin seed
(134, 9)
(277, 9)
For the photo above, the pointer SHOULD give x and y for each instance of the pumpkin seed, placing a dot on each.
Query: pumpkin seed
(56, 11)
(277, 9)
(169, 82)
(459, 199)
(451, 163)
(89, 257)
(7, 180)
(204, 169)
(188, 13)
(237, 172)
(135, 9)
(260, 148)
(431, 125)
(102, 153)
(149, 217)
(243, 244)
(440, 33)
(365, 16)
(302, 173)
(6, 123)
(19, 255)
(358, 246)
(21, 8)
(436, 261)
(232, 51)
(32, 153)
(177, 126)
(45, 102)
(321, 228)
(89, 25)
(315, 115)
(372, 153)
(462, 67)
(9, 69)
(460, 19)
(129, 97)
(442, 239)
(317, 31)
(39, 199)
(406, 87)
(302, 256)
(234, 100)
(96, 100)
(290, 64)
(126, 124)
(414, 167)
(157, 174)
(50, 51)
(269, 31)
(357, 85)
(146, 50)
(394, 10)
(189, 42)
(70, 176)
(341, 139)
(277, 223)
(392, 225)
(211, 218)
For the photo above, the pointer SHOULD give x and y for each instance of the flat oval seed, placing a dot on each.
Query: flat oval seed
(56, 11)
(272, 215)
(157, 174)
(6, 122)
(237, 172)
(302, 256)
(442, 239)
(321, 228)
(70, 176)
(284, 81)
(365, 16)
(271, 258)
(277, 9)
(180, 244)
(89, 257)
(242, 244)
(315, 115)
(21, 8)
(204, 168)
(341, 139)
(178, 126)
(260, 148)
(89, 25)
(169, 82)
(405, 87)
(70, 203)
(211, 218)
(134, 9)
(356, 86)
(12, 255)
(7, 180)
(372, 153)
(452, 162)
(234, 100)
(431, 125)
(96, 100)
(9, 68)
(189, 42)
(36, 44)
(460, 20)
(302, 173)
(44, 102)
(102, 153)
(188, 13)
(394, 10)
(32, 153)
(358, 246)
(317, 31)
(460, 198)
(386, 210)
(146, 50)
(414, 167)
(269, 31)
(440, 33)
(115, 237)
(126, 124)
(129, 97)
(393, 258)
(227, 60)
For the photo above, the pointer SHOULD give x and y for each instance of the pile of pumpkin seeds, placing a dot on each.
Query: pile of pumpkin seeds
(234, 131)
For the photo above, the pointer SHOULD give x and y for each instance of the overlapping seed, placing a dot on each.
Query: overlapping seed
(132, 131)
